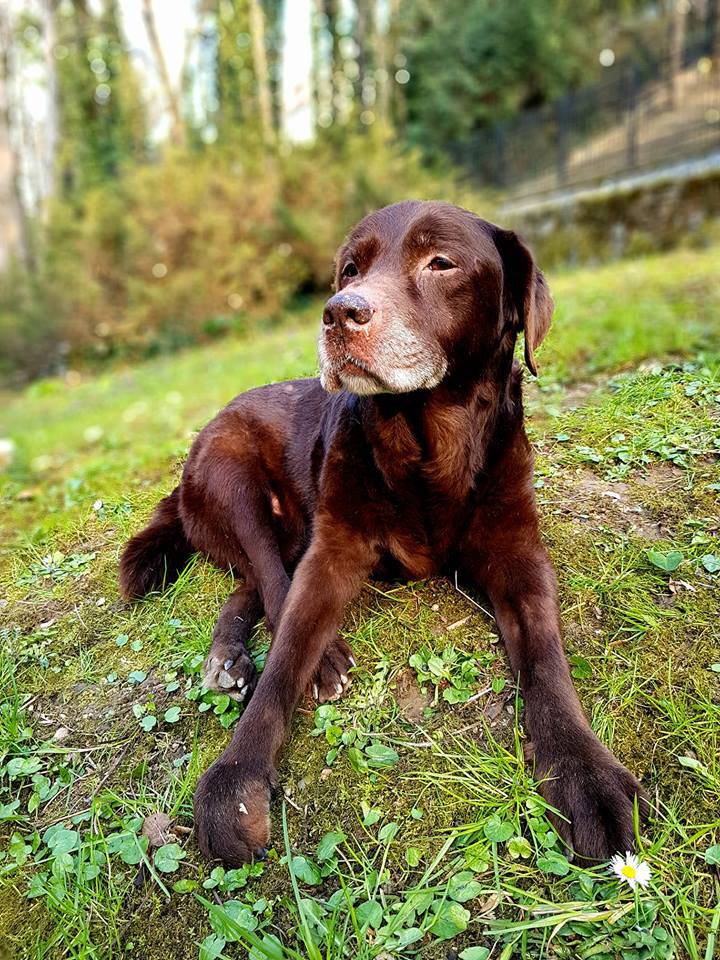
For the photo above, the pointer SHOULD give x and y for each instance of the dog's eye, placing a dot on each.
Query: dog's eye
(349, 270)
(441, 263)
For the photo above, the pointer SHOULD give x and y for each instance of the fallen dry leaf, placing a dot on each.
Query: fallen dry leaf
(157, 827)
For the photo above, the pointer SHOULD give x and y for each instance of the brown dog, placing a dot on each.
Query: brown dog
(407, 459)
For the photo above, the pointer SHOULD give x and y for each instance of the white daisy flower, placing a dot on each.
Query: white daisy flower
(632, 871)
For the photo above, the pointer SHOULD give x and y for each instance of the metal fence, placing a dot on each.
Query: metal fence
(646, 115)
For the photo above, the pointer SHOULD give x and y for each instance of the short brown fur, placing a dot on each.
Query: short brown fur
(415, 464)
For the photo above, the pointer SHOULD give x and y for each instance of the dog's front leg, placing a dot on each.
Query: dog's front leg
(579, 776)
(232, 798)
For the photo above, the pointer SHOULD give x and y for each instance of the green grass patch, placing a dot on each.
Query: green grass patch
(410, 825)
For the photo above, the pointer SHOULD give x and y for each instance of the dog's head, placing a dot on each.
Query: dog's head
(427, 291)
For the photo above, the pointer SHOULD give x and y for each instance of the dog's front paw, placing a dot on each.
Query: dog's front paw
(232, 812)
(332, 677)
(594, 791)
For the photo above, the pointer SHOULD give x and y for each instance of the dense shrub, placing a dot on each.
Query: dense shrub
(198, 243)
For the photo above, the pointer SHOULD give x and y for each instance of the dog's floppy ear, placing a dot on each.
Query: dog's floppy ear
(526, 299)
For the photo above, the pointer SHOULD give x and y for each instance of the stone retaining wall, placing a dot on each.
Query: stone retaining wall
(607, 225)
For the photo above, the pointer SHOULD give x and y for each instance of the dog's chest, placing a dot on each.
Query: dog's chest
(426, 483)
(410, 558)
(422, 533)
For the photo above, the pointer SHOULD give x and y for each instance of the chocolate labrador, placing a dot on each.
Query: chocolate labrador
(406, 459)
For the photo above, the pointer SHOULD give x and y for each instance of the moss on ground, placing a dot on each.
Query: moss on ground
(627, 472)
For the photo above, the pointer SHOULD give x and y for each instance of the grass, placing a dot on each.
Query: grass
(410, 825)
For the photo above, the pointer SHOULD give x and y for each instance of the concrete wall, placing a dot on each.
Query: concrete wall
(607, 224)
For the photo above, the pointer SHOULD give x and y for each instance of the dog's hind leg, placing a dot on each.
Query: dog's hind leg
(250, 544)
(230, 519)
(261, 546)
(229, 667)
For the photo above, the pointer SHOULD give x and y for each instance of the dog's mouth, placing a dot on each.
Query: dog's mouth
(408, 367)
(340, 369)
(350, 368)
(354, 365)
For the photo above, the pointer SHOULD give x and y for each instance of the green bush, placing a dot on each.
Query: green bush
(195, 245)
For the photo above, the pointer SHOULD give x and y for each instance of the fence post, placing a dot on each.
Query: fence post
(561, 115)
(632, 117)
(712, 30)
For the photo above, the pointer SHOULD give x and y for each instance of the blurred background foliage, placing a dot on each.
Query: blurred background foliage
(151, 212)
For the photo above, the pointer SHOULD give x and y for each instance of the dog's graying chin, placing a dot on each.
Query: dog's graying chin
(402, 363)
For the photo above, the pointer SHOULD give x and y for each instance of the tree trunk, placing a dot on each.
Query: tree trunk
(331, 10)
(678, 23)
(177, 130)
(386, 42)
(712, 26)
(316, 68)
(394, 99)
(14, 222)
(368, 40)
(361, 39)
(257, 33)
(371, 47)
(52, 123)
(382, 74)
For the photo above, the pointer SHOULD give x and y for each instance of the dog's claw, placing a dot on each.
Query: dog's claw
(331, 678)
(234, 676)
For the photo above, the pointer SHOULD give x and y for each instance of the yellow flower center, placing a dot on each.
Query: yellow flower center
(628, 871)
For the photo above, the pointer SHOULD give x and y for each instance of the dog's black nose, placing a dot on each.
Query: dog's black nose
(346, 308)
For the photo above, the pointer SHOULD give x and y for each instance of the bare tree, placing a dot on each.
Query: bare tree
(678, 23)
(361, 39)
(177, 129)
(330, 8)
(14, 220)
(387, 43)
(52, 118)
(712, 26)
(368, 42)
(257, 33)
(316, 62)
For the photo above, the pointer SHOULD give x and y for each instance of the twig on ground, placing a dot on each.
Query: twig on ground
(476, 696)
(459, 623)
(471, 599)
